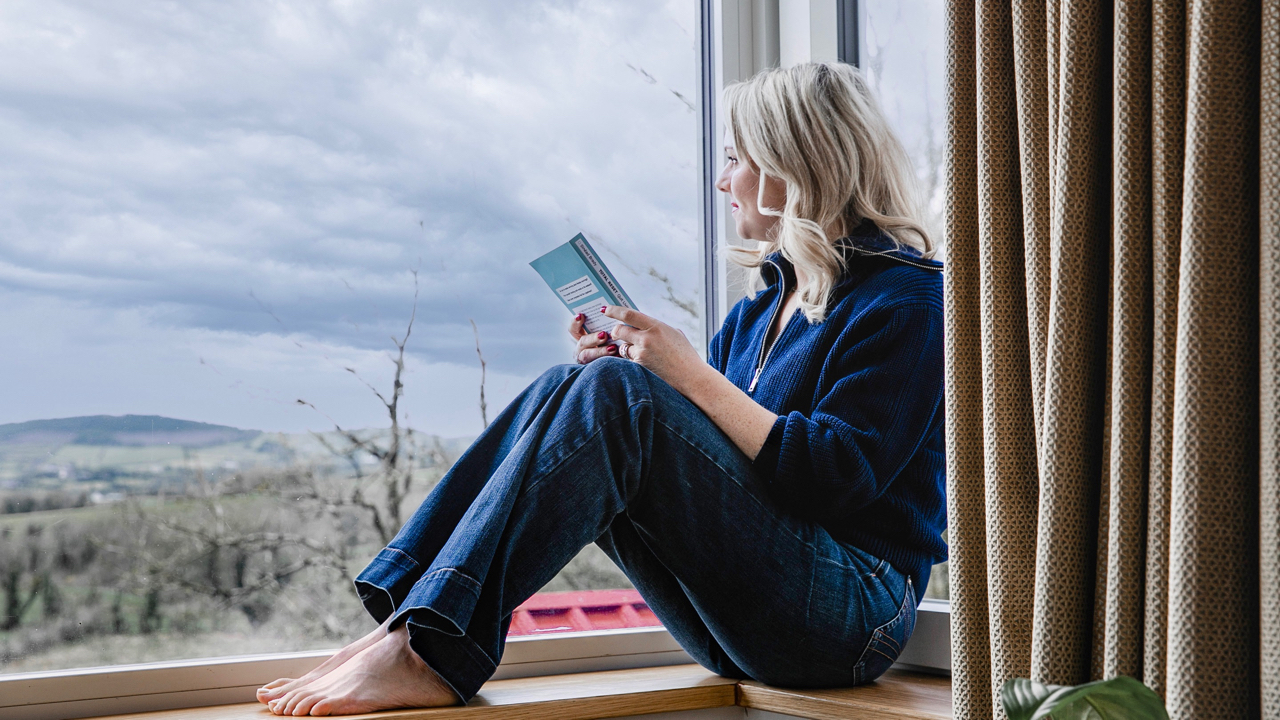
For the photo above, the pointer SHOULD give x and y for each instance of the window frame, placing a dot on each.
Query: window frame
(737, 39)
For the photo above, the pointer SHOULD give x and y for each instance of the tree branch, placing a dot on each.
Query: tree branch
(484, 408)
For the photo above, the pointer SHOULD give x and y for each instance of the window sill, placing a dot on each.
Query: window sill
(896, 696)
(131, 690)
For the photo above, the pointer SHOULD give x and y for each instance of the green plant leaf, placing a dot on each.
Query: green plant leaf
(1121, 698)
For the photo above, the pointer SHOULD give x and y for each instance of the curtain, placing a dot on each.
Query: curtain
(1112, 229)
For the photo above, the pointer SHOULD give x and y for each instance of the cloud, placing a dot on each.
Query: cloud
(214, 173)
(111, 361)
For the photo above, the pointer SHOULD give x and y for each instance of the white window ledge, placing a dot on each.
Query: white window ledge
(65, 694)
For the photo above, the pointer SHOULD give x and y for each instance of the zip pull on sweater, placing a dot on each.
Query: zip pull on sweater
(777, 307)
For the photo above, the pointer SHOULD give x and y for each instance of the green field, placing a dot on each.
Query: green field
(139, 455)
(137, 538)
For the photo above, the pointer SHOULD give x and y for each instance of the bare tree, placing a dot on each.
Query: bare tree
(398, 452)
(23, 574)
(484, 408)
(218, 548)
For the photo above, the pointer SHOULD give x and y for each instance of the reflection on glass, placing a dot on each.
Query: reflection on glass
(903, 47)
(268, 266)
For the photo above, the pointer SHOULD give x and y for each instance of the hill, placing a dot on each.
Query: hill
(131, 430)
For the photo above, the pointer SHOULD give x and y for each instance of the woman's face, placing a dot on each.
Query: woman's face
(743, 185)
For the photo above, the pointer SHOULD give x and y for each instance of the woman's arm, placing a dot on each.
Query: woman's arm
(667, 353)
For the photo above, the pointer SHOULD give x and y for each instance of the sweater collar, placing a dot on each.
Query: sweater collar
(866, 240)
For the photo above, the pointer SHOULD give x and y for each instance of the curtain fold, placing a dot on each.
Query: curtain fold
(1130, 391)
(1009, 450)
(1112, 320)
(971, 683)
(1168, 118)
(1072, 418)
(1213, 507)
(1030, 58)
(1269, 357)
(1269, 324)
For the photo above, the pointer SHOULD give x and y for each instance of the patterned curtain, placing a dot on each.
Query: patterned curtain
(1113, 357)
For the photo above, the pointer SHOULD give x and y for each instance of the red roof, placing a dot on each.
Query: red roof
(579, 611)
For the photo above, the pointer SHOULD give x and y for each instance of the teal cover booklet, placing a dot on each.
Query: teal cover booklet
(579, 278)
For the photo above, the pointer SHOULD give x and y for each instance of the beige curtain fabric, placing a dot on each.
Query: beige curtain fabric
(1113, 349)
(1269, 370)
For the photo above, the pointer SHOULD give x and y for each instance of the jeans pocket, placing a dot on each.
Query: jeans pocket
(886, 642)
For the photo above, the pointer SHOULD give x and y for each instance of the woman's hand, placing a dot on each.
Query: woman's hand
(660, 348)
(667, 353)
(591, 346)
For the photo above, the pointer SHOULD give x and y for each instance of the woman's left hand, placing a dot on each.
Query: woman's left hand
(657, 346)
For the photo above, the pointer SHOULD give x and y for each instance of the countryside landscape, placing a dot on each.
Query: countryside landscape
(140, 538)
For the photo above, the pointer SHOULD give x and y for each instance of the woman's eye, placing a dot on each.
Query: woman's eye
(733, 159)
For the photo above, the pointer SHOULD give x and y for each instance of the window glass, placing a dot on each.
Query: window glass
(214, 220)
(903, 47)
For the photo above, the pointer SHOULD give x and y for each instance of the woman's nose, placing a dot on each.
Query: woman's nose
(722, 182)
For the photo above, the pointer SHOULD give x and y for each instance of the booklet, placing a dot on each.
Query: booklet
(578, 276)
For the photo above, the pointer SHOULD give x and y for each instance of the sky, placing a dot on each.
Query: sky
(212, 209)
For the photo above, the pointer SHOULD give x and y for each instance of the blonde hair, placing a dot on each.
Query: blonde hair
(817, 127)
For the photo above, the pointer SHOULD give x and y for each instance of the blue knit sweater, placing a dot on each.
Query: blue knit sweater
(859, 443)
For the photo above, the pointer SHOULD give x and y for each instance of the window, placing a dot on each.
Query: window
(214, 211)
(901, 51)
(216, 218)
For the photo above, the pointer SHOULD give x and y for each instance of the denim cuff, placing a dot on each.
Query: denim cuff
(468, 668)
(437, 611)
(386, 581)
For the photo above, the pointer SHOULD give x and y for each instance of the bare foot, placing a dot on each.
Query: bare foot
(383, 676)
(277, 688)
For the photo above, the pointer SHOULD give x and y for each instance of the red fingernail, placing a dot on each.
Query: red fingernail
(580, 316)
(606, 307)
(612, 348)
(603, 336)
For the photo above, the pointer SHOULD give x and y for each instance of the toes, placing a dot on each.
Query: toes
(269, 692)
(277, 706)
(275, 689)
(291, 701)
(280, 705)
(304, 707)
(278, 691)
(324, 707)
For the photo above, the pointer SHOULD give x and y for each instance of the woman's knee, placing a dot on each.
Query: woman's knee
(551, 379)
(559, 373)
(612, 383)
(615, 373)
(606, 377)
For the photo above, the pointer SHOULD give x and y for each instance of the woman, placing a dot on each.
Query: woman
(778, 507)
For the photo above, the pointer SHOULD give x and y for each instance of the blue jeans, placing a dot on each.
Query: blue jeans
(609, 453)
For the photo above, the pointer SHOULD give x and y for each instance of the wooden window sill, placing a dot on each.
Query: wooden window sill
(896, 696)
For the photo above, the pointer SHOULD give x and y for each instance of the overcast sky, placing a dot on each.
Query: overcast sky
(209, 209)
